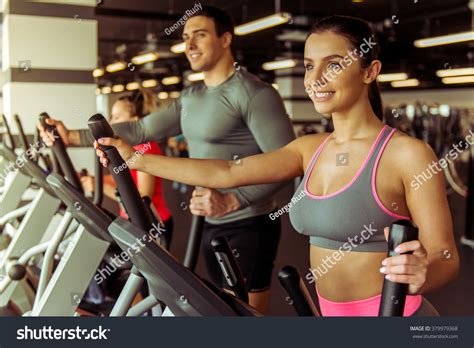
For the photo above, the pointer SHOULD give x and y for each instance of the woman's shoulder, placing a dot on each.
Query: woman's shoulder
(405, 147)
(409, 155)
(310, 142)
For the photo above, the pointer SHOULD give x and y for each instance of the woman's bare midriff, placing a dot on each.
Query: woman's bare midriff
(355, 276)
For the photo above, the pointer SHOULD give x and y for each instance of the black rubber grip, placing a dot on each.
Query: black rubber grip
(9, 133)
(298, 294)
(230, 269)
(129, 194)
(98, 182)
(394, 294)
(21, 133)
(194, 242)
(59, 150)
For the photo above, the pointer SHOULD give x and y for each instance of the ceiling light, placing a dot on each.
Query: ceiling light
(263, 23)
(458, 79)
(118, 88)
(455, 72)
(392, 77)
(145, 58)
(445, 39)
(149, 83)
(163, 95)
(178, 48)
(171, 80)
(132, 86)
(98, 72)
(106, 90)
(405, 83)
(279, 64)
(114, 67)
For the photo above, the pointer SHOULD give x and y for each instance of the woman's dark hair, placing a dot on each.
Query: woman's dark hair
(141, 102)
(357, 32)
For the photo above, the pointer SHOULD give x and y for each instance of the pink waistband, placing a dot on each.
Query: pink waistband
(363, 308)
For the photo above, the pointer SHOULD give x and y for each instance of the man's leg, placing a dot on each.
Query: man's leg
(260, 300)
(254, 242)
(266, 247)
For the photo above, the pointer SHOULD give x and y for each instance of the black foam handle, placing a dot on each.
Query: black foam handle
(98, 182)
(194, 242)
(129, 194)
(394, 294)
(298, 293)
(21, 132)
(9, 133)
(230, 269)
(59, 150)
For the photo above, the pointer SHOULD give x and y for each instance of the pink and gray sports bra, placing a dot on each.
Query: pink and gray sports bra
(351, 219)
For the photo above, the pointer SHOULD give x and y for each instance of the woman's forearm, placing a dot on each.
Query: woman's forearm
(196, 172)
(440, 272)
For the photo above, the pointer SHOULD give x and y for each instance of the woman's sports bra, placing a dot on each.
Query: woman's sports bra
(352, 218)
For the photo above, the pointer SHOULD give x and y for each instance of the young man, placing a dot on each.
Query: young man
(231, 115)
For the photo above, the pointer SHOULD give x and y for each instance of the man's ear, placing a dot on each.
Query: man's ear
(226, 39)
(372, 72)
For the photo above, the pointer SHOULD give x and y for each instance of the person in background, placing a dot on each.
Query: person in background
(128, 108)
(178, 147)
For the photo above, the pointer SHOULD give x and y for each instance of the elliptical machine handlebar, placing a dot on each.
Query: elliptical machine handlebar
(59, 150)
(21, 132)
(298, 293)
(394, 294)
(129, 194)
(9, 133)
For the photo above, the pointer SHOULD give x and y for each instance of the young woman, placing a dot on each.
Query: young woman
(357, 181)
(131, 108)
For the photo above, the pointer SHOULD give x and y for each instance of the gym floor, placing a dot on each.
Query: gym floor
(452, 300)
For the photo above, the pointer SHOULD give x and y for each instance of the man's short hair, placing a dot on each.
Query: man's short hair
(222, 21)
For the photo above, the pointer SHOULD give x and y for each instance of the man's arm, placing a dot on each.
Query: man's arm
(157, 126)
(272, 129)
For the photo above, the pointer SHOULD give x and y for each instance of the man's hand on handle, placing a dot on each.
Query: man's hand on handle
(49, 137)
